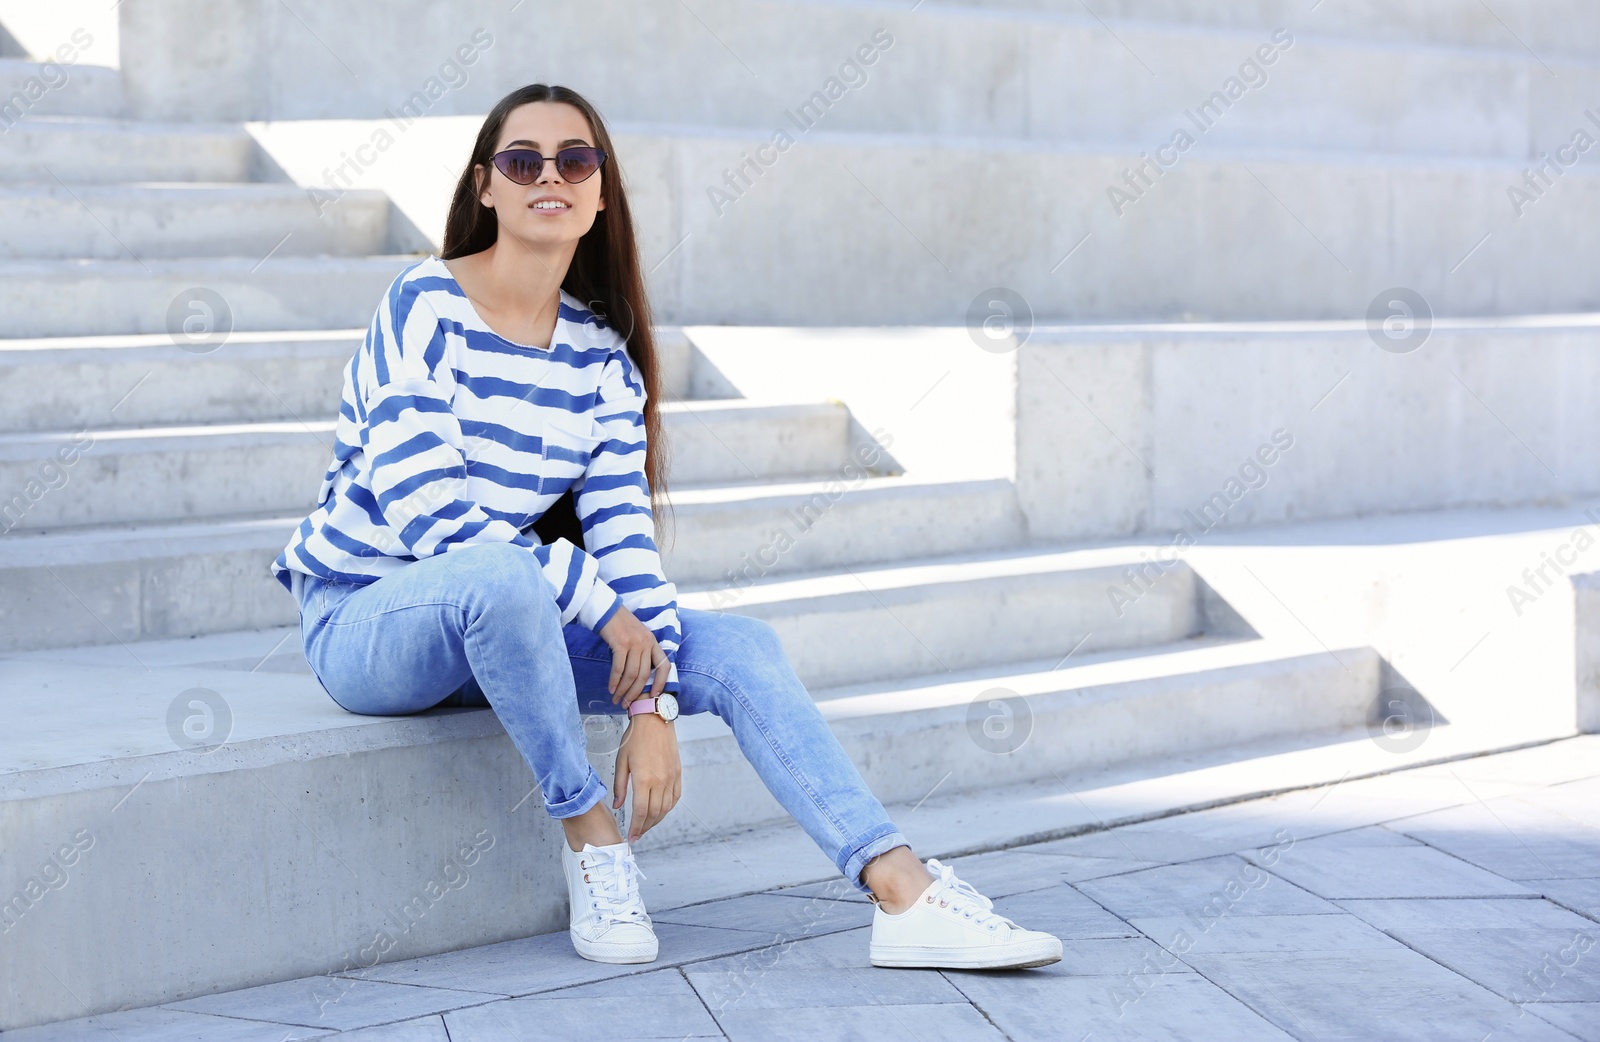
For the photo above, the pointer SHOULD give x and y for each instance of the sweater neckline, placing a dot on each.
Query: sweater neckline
(555, 332)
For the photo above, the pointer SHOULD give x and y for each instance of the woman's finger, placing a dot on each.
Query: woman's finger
(614, 684)
(619, 781)
(633, 675)
(642, 796)
(662, 670)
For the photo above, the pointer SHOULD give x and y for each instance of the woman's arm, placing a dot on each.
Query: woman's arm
(612, 498)
(415, 454)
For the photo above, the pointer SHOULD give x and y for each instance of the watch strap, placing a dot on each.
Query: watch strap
(640, 706)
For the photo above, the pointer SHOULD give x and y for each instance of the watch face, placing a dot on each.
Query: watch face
(667, 706)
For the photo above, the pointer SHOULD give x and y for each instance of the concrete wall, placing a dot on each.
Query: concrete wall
(1586, 613)
(852, 231)
(1136, 429)
(386, 840)
(1549, 26)
(1024, 74)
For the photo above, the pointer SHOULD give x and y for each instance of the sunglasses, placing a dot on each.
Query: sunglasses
(523, 165)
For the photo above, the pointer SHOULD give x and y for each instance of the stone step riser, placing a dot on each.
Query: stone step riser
(126, 477)
(153, 382)
(1548, 27)
(49, 152)
(67, 298)
(1516, 259)
(388, 814)
(128, 223)
(904, 756)
(847, 522)
(44, 388)
(1057, 74)
(939, 627)
(30, 89)
(182, 581)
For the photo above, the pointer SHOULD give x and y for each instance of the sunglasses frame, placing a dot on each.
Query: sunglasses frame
(540, 161)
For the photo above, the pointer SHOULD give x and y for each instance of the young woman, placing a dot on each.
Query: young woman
(492, 384)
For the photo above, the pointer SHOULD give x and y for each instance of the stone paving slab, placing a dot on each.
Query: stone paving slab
(1512, 838)
(1204, 890)
(1329, 868)
(1397, 995)
(1582, 1019)
(668, 1009)
(1150, 1008)
(330, 1002)
(773, 917)
(162, 1025)
(423, 1029)
(1392, 907)
(1580, 895)
(546, 962)
(942, 1022)
(1264, 933)
(1525, 951)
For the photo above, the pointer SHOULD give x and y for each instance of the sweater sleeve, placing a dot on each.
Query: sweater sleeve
(612, 498)
(417, 464)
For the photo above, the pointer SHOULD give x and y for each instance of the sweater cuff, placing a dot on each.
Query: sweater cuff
(602, 603)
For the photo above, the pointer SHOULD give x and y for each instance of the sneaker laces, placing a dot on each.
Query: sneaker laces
(613, 881)
(957, 892)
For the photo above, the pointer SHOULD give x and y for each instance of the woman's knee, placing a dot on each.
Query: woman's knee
(732, 638)
(503, 580)
(744, 655)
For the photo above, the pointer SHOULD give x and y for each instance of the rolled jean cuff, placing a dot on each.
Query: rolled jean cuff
(855, 857)
(592, 792)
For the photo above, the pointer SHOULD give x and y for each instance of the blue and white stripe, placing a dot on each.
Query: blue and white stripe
(450, 435)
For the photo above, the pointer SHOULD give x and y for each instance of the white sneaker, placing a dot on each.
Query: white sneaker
(952, 926)
(608, 921)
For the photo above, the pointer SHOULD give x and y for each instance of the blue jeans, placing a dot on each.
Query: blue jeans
(480, 626)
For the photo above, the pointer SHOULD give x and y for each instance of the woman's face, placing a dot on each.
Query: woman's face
(546, 127)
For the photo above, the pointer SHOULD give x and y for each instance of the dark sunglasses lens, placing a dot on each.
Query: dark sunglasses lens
(521, 165)
(578, 164)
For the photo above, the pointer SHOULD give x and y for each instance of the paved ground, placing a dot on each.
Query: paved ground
(1454, 902)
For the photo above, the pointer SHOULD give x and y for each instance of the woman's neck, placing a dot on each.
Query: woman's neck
(516, 287)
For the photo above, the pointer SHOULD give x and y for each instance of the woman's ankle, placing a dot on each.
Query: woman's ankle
(897, 878)
(595, 825)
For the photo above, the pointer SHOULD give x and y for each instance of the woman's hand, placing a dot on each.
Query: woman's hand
(635, 653)
(649, 755)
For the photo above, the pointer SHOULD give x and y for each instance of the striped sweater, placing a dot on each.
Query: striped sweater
(450, 435)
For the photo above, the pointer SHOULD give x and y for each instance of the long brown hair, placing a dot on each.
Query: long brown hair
(604, 274)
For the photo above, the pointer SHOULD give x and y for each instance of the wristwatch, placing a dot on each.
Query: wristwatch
(664, 705)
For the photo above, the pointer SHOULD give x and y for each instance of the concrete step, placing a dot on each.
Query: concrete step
(140, 221)
(100, 151)
(32, 88)
(1045, 70)
(147, 581)
(90, 297)
(151, 474)
(1018, 722)
(1100, 244)
(971, 611)
(197, 754)
(1560, 27)
(72, 383)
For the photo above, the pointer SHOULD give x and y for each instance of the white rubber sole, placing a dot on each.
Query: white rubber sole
(1019, 955)
(597, 951)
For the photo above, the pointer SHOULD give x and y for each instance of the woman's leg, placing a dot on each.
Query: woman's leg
(482, 613)
(736, 667)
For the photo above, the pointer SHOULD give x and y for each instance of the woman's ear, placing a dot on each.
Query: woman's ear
(483, 185)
